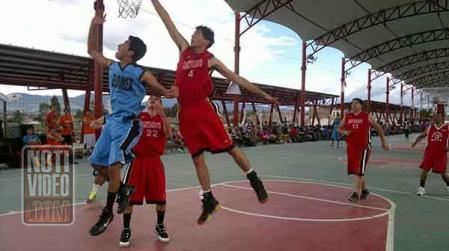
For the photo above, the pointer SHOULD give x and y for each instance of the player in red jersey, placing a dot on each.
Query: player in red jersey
(146, 172)
(200, 126)
(435, 155)
(356, 127)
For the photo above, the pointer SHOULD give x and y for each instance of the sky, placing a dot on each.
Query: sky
(270, 53)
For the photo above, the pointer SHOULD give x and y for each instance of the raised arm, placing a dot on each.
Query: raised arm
(179, 40)
(420, 137)
(152, 81)
(92, 41)
(380, 132)
(166, 125)
(242, 82)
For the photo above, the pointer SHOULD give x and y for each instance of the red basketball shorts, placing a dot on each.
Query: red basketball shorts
(438, 163)
(202, 129)
(146, 174)
(357, 159)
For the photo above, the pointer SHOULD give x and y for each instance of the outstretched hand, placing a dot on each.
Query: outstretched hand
(98, 19)
(173, 92)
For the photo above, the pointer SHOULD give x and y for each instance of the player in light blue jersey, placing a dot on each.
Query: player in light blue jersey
(122, 128)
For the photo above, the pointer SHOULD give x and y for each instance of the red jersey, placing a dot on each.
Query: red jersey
(192, 77)
(67, 124)
(52, 120)
(359, 127)
(437, 139)
(152, 141)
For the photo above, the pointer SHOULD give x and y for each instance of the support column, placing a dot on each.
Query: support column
(314, 112)
(343, 80)
(255, 112)
(90, 84)
(225, 110)
(402, 103)
(65, 97)
(413, 103)
(330, 112)
(242, 112)
(303, 82)
(5, 123)
(235, 98)
(387, 101)
(295, 111)
(270, 120)
(98, 69)
(278, 107)
(369, 92)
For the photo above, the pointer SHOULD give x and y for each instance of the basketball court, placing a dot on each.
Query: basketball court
(308, 207)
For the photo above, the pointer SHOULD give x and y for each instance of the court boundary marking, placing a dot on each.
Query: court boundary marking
(385, 213)
(389, 212)
(348, 184)
(392, 213)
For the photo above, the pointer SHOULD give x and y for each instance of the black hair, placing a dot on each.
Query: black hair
(138, 47)
(208, 34)
(358, 100)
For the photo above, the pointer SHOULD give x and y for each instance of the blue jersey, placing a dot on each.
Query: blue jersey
(31, 139)
(126, 88)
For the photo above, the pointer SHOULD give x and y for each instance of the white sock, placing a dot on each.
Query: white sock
(95, 187)
(203, 192)
(249, 171)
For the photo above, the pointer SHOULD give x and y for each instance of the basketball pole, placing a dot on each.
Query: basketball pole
(98, 70)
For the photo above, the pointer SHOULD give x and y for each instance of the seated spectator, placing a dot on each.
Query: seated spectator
(31, 138)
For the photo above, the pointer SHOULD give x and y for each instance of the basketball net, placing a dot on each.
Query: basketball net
(128, 8)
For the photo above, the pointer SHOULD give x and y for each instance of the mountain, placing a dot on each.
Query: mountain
(30, 103)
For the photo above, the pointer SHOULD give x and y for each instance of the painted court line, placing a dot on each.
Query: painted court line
(349, 185)
(389, 212)
(389, 246)
(84, 203)
(310, 198)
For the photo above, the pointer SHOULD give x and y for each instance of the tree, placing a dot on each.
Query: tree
(43, 109)
(171, 111)
(54, 101)
(17, 117)
(78, 114)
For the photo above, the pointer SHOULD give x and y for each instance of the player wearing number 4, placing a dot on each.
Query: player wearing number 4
(200, 126)
(356, 126)
(435, 155)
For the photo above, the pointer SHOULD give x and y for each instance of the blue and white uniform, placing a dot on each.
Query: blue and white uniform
(122, 129)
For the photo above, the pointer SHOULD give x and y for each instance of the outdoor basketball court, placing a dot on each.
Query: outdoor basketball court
(308, 207)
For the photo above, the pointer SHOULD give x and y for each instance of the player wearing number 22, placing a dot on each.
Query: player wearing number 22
(146, 173)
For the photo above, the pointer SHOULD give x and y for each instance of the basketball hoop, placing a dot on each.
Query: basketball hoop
(128, 8)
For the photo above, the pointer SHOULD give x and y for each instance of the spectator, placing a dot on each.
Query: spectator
(51, 118)
(89, 131)
(66, 121)
(31, 138)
